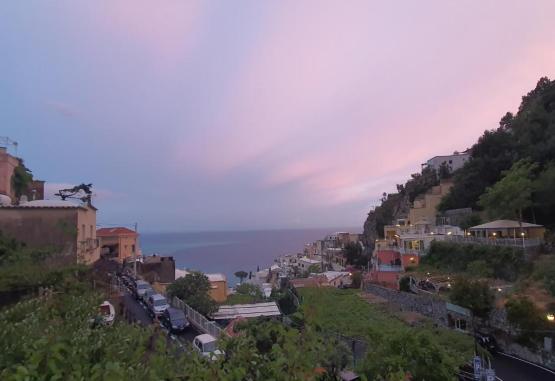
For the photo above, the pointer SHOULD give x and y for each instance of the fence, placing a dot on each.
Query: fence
(197, 319)
(510, 242)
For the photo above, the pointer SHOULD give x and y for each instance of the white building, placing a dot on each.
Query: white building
(305, 263)
(454, 161)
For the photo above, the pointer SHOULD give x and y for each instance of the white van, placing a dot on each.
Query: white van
(206, 345)
(157, 304)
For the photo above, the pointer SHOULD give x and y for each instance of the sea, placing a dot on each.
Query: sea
(230, 251)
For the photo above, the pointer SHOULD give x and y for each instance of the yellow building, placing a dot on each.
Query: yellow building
(218, 287)
(424, 208)
(118, 243)
(63, 226)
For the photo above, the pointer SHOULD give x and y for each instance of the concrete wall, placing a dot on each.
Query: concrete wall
(218, 291)
(67, 230)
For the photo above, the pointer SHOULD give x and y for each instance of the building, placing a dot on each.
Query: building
(118, 243)
(218, 284)
(218, 287)
(8, 164)
(63, 226)
(157, 269)
(424, 208)
(246, 311)
(500, 229)
(337, 278)
(305, 264)
(453, 162)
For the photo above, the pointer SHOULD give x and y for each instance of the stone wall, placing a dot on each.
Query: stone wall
(427, 305)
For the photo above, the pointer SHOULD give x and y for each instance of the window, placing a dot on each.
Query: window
(460, 324)
(132, 248)
(84, 233)
(91, 230)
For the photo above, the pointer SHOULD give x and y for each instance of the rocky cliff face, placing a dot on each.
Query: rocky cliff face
(393, 207)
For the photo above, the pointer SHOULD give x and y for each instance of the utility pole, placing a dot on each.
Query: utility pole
(135, 255)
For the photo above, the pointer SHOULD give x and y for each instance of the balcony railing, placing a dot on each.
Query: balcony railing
(510, 242)
(89, 244)
(390, 268)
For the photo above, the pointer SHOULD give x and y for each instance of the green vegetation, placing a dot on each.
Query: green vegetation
(354, 255)
(394, 348)
(194, 290)
(523, 315)
(523, 144)
(508, 197)
(544, 271)
(56, 335)
(499, 262)
(245, 293)
(21, 179)
(474, 295)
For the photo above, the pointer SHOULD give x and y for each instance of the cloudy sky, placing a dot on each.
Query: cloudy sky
(207, 115)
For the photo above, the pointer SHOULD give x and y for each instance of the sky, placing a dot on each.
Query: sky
(234, 115)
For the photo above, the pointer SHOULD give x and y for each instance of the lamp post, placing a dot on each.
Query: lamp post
(522, 234)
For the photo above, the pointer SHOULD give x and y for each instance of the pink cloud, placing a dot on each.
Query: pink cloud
(357, 104)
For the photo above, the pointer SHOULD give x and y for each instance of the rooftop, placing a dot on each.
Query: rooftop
(47, 204)
(505, 224)
(115, 231)
(247, 311)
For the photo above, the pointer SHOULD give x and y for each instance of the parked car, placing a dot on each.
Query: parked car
(174, 319)
(206, 345)
(147, 294)
(157, 304)
(107, 312)
(139, 288)
(486, 341)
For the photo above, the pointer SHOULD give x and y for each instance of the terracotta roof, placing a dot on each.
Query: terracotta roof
(108, 232)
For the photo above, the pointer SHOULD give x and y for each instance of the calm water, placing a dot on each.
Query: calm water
(228, 252)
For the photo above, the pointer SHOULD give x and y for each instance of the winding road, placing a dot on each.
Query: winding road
(509, 368)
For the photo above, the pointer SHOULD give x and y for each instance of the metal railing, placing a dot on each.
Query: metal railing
(392, 268)
(510, 242)
(198, 319)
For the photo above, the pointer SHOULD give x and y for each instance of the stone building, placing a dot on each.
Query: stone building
(65, 227)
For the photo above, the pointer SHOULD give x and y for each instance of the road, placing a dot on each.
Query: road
(137, 312)
(510, 369)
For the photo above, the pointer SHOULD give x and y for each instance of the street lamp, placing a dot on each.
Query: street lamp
(550, 317)
(522, 235)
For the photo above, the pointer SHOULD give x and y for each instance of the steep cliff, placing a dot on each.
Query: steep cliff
(395, 206)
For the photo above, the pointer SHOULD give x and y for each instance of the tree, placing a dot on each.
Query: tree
(352, 252)
(194, 289)
(512, 194)
(406, 355)
(21, 179)
(356, 279)
(251, 290)
(241, 275)
(523, 314)
(474, 295)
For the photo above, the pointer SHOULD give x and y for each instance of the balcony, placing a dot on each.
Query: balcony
(89, 244)
(390, 268)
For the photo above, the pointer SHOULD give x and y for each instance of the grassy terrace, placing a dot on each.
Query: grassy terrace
(345, 312)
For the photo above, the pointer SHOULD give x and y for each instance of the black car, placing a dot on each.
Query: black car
(174, 319)
(486, 341)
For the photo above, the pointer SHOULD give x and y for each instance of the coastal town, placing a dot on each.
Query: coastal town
(277, 191)
(390, 270)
